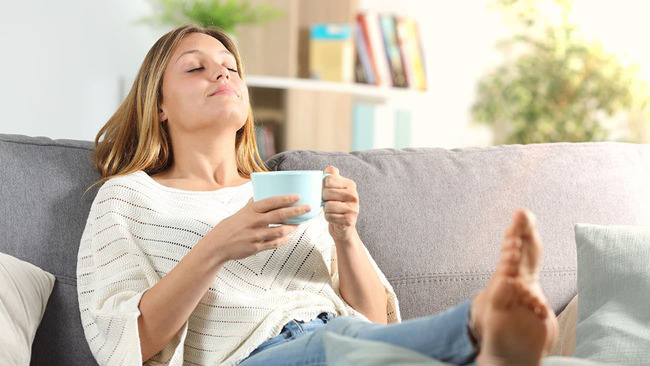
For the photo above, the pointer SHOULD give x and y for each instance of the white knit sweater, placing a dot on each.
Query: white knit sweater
(139, 229)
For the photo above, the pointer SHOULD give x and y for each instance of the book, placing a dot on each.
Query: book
(360, 75)
(405, 45)
(259, 142)
(363, 32)
(265, 140)
(363, 119)
(331, 52)
(402, 128)
(393, 52)
(376, 47)
(364, 67)
(270, 140)
(411, 46)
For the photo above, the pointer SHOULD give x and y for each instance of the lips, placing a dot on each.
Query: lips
(224, 89)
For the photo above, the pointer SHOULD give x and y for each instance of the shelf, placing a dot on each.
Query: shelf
(360, 90)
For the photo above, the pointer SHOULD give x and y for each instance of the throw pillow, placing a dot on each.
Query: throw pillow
(342, 350)
(614, 291)
(24, 292)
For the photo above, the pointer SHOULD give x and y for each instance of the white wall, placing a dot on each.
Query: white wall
(63, 62)
(63, 73)
(459, 38)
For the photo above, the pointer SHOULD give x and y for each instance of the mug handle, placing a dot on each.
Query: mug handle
(322, 203)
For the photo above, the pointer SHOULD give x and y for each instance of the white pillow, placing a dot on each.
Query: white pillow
(614, 291)
(24, 292)
(342, 350)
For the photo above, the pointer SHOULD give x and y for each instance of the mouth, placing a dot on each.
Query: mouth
(224, 90)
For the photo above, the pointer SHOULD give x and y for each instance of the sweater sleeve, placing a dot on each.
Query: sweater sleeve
(112, 275)
(392, 307)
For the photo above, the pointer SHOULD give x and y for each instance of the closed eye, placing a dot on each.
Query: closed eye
(201, 68)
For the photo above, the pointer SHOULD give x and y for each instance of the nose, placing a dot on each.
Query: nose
(222, 71)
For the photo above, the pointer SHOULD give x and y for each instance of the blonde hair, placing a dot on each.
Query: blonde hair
(134, 139)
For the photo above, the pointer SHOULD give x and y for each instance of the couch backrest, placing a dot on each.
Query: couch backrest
(42, 218)
(433, 219)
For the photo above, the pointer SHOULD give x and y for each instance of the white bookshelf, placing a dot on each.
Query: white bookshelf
(358, 90)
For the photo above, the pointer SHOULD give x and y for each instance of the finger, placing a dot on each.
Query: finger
(272, 233)
(337, 181)
(336, 218)
(338, 194)
(337, 207)
(275, 202)
(332, 169)
(280, 215)
(273, 244)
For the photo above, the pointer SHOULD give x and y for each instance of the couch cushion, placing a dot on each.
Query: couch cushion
(433, 219)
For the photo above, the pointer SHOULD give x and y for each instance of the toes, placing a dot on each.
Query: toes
(524, 221)
(511, 258)
(527, 241)
(532, 301)
(504, 293)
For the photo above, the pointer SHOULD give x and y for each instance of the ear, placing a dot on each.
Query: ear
(162, 116)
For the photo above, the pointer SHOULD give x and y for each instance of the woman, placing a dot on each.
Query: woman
(178, 265)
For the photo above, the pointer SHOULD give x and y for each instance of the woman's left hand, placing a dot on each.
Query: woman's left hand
(341, 205)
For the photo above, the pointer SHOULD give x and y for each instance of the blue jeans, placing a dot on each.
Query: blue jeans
(443, 336)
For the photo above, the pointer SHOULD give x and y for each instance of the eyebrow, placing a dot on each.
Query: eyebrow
(199, 51)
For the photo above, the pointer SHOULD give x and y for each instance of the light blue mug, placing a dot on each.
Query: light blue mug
(306, 183)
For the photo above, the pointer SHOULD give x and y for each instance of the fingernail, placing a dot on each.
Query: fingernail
(296, 197)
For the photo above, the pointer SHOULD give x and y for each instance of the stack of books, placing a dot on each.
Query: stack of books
(389, 51)
(379, 49)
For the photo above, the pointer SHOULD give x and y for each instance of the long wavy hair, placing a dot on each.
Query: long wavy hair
(134, 139)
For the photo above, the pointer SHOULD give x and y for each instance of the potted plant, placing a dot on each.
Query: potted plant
(225, 14)
(557, 86)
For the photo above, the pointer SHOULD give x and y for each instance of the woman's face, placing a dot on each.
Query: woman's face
(199, 66)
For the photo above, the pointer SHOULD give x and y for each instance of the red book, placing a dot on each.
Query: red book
(361, 19)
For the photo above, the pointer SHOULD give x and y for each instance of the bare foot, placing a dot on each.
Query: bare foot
(514, 322)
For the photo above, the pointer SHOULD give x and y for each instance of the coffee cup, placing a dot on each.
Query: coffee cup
(306, 183)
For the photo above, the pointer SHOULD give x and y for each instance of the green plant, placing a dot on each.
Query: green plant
(557, 86)
(225, 14)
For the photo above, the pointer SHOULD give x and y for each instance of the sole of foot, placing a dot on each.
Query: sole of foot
(515, 323)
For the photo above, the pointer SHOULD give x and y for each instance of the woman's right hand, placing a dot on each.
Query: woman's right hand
(247, 232)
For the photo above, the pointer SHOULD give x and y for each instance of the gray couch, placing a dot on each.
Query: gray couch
(433, 219)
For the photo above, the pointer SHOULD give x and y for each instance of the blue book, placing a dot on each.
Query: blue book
(391, 43)
(402, 128)
(363, 117)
